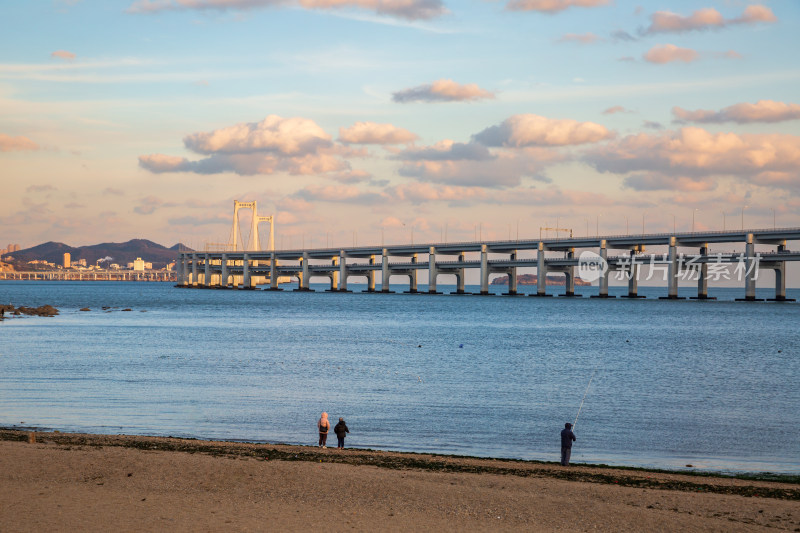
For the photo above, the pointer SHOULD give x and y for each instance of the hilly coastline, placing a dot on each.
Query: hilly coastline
(111, 252)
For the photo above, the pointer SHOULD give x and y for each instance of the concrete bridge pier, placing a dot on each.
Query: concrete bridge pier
(780, 279)
(432, 271)
(673, 271)
(512, 276)
(206, 271)
(334, 276)
(459, 273)
(702, 277)
(751, 273)
(223, 277)
(194, 270)
(247, 279)
(541, 272)
(273, 273)
(304, 277)
(385, 272)
(633, 275)
(603, 253)
(343, 271)
(183, 273)
(569, 288)
(484, 271)
(412, 277)
(371, 276)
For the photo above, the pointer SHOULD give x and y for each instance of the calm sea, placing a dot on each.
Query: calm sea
(712, 384)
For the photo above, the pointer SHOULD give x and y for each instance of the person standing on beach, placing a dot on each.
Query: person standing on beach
(323, 426)
(567, 436)
(341, 431)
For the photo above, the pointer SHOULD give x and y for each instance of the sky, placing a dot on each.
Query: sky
(368, 121)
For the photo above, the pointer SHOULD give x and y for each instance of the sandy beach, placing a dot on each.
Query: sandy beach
(125, 483)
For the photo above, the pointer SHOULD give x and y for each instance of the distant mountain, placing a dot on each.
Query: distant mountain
(113, 252)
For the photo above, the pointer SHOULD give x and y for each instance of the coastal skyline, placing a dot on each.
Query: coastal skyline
(357, 120)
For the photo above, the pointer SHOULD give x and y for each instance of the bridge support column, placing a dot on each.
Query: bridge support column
(246, 272)
(223, 278)
(633, 279)
(194, 270)
(512, 276)
(702, 277)
(304, 285)
(207, 271)
(484, 270)
(541, 272)
(603, 253)
(751, 273)
(385, 275)
(460, 283)
(780, 279)
(371, 276)
(432, 272)
(343, 271)
(569, 289)
(673, 271)
(334, 276)
(412, 277)
(273, 273)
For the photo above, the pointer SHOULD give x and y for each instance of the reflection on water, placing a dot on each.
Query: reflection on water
(711, 384)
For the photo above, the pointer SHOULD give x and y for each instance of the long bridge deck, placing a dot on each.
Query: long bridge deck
(248, 268)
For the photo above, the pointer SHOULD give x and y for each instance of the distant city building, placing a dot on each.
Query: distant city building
(138, 265)
(67, 258)
(170, 266)
(79, 262)
(113, 266)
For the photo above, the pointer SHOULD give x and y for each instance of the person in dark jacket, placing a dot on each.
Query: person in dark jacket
(567, 436)
(341, 431)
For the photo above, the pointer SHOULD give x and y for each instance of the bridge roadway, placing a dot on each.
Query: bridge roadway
(247, 268)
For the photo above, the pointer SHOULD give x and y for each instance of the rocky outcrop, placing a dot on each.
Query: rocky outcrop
(43, 310)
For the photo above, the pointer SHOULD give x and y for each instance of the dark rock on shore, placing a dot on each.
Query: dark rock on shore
(44, 310)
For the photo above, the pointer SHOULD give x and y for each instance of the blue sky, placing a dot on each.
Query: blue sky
(147, 119)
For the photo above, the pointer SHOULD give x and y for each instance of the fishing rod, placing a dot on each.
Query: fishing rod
(584, 398)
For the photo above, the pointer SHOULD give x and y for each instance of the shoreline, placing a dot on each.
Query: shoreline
(70, 481)
(13, 432)
(763, 485)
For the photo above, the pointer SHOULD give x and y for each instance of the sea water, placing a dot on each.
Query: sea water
(713, 384)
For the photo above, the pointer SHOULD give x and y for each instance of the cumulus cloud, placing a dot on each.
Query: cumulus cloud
(697, 154)
(276, 144)
(405, 9)
(284, 136)
(149, 204)
(63, 54)
(581, 38)
(615, 109)
(533, 130)
(40, 188)
(341, 193)
(506, 169)
(667, 53)
(16, 144)
(442, 91)
(552, 6)
(372, 133)
(655, 181)
(352, 176)
(742, 113)
(704, 19)
(447, 150)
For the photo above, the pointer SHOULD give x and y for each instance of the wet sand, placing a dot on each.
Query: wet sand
(125, 483)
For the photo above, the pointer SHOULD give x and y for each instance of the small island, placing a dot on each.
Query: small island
(532, 279)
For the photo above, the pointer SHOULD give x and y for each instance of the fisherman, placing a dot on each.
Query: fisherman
(567, 436)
